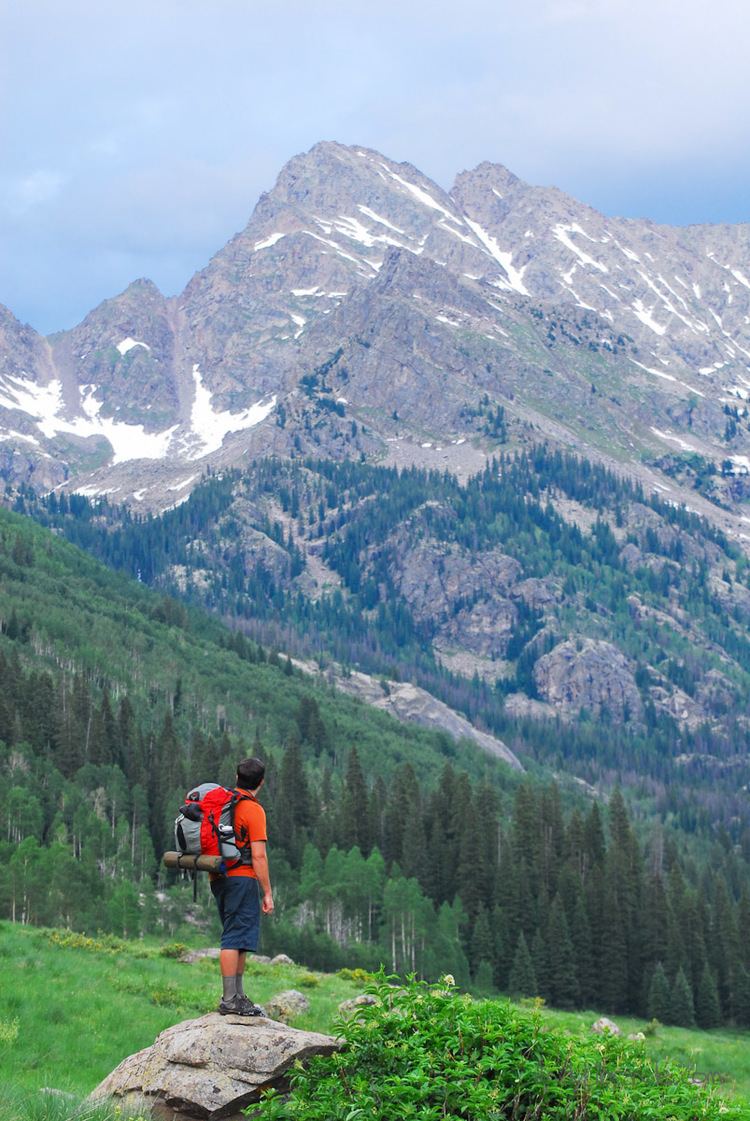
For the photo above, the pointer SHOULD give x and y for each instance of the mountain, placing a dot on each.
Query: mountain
(365, 311)
(591, 627)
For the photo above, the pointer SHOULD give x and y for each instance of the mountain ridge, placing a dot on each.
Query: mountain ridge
(621, 338)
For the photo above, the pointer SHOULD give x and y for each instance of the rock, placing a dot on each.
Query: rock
(347, 1007)
(280, 959)
(262, 959)
(192, 956)
(414, 705)
(285, 1006)
(210, 1068)
(520, 707)
(637, 1037)
(592, 674)
(603, 1025)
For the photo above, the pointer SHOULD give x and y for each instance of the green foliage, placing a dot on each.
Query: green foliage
(173, 949)
(309, 981)
(359, 976)
(424, 1052)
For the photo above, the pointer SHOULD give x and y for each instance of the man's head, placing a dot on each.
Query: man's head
(250, 773)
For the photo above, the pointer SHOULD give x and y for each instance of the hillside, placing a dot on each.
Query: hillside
(388, 840)
(598, 629)
(121, 994)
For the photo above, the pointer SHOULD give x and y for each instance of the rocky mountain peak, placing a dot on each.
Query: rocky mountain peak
(620, 336)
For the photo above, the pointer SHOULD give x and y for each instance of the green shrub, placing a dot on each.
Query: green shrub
(165, 995)
(424, 1052)
(309, 981)
(359, 976)
(72, 940)
(173, 950)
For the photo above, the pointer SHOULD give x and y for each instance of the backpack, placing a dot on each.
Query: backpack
(204, 825)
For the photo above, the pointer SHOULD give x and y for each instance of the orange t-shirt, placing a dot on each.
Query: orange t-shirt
(249, 825)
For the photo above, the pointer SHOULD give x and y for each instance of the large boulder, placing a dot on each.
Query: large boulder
(285, 1006)
(210, 1068)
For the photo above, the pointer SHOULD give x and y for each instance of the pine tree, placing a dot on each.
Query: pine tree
(482, 942)
(540, 961)
(658, 1007)
(354, 821)
(707, 1007)
(522, 979)
(583, 953)
(681, 1008)
(613, 963)
(741, 998)
(483, 979)
(563, 981)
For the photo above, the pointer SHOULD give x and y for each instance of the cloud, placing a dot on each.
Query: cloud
(153, 135)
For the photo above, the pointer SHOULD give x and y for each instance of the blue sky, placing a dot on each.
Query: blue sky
(136, 137)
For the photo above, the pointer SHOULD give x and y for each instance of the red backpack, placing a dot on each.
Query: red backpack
(204, 825)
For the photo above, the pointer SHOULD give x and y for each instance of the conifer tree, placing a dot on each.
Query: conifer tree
(483, 979)
(354, 825)
(658, 1007)
(563, 980)
(707, 1007)
(681, 1008)
(613, 963)
(741, 998)
(583, 953)
(540, 961)
(522, 979)
(482, 941)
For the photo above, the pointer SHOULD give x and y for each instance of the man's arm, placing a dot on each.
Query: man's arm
(260, 866)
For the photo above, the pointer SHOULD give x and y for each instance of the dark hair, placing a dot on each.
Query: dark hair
(250, 773)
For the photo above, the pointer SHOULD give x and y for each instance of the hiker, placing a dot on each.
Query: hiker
(237, 892)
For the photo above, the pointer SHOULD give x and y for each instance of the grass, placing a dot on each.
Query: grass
(72, 1008)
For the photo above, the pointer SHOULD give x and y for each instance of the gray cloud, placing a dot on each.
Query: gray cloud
(136, 139)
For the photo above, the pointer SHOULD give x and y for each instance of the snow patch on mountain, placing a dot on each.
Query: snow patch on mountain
(208, 427)
(268, 241)
(44, 405)
(503, 258)
(128, 344)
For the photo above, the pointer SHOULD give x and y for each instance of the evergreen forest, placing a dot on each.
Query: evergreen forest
(390, 843)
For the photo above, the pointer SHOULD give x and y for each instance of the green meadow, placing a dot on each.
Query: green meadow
(72, 1007)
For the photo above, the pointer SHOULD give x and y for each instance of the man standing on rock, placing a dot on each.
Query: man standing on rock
(237, 892)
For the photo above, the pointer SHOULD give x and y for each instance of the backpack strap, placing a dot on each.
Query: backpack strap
(245, 857)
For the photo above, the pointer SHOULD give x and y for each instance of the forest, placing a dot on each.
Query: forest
(237, 546)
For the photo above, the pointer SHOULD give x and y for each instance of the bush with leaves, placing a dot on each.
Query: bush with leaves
(425, 1052)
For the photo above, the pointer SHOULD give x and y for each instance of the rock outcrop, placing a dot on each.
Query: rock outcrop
(413, 705)
(590, 674)
(210, 1068)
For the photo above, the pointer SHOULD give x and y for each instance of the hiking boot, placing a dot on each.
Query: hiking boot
(239, 1006)
(250, 1008)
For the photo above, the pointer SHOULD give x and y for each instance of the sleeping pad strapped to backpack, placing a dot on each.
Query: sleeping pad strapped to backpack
(205, 824)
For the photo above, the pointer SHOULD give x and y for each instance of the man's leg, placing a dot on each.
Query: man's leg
(229, 965)
(241, 955)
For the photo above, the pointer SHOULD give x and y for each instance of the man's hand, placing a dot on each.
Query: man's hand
(267, 904)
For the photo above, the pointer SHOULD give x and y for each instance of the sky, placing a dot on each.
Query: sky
(135, 138)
